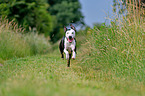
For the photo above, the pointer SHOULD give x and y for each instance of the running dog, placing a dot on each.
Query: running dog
(68, 44)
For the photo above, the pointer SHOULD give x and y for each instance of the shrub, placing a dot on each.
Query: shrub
(14, 43)
(118, 48)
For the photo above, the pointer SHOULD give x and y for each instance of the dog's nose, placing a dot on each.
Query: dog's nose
(70, 37)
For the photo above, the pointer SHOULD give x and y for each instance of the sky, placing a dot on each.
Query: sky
(95, 11)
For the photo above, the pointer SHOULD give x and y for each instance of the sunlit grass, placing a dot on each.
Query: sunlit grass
(109, 63)
(15, 43)
(117, 53)
(49, 75)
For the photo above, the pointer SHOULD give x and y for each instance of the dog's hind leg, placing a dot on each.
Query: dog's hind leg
(62, 56)
(68, 62)
(61, 48)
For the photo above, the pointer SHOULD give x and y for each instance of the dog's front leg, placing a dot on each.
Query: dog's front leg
(67, 53)
(73, 53)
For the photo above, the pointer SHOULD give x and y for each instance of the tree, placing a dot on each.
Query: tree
(64, 12)
(28, 13)
(47, 16)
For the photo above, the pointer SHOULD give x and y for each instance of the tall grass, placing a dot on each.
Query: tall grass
(14, 43)
(119, 50)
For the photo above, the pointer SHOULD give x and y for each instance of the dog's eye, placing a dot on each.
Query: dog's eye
(67, 33)
(72, 32)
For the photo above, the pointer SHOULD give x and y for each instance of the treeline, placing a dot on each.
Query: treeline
(45, 16)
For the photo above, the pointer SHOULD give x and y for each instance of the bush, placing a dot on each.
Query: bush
(28, 13)
(38, 43)
(118, 48)
(13, 43)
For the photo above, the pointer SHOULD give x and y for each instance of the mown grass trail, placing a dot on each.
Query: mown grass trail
(109, 63)
(48, 75)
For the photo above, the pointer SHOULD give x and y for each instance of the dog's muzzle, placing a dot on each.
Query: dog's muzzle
(70, 39)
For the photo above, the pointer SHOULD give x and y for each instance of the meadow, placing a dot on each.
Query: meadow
(110, 62)
(15, 43)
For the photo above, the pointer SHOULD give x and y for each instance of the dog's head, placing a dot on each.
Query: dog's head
(70, 33)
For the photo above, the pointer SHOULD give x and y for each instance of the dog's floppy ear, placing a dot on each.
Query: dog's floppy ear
(65, 29)
(72, 27)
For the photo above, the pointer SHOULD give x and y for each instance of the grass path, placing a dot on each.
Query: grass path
(48, 75)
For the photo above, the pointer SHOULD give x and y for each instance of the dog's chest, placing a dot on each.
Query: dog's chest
(69, 50)
(68, 44)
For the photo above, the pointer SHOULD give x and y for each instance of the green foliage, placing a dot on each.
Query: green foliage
(46, 16)
(15, 44)
(4, 10)
(38, 43)
(44, 20)
(98, 25)
(28, 13)
(67, 12)
(119, 48)
(12, 45)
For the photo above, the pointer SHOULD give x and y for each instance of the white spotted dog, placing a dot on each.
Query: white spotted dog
(68, 44)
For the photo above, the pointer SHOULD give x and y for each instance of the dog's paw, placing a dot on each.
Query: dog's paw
(73, 58)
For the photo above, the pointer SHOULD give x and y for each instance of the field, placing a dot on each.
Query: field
(110, 61)
(47, 75)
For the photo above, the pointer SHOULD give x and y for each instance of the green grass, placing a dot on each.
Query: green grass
(109, 63)
(48, 75)
(105, 66)
(15, 43)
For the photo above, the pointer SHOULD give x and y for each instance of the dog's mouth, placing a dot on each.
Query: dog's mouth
(70, 39)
